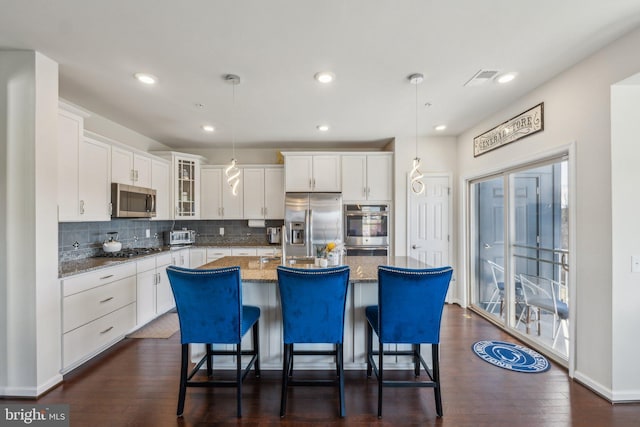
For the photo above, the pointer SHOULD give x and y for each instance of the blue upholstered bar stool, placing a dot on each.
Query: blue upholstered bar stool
(409, 311)
(313, 305)
(210, 311)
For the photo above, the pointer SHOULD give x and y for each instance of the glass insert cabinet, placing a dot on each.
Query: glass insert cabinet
(185, 183)
(186, 188)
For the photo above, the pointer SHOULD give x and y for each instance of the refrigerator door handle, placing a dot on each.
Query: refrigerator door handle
(309, 232)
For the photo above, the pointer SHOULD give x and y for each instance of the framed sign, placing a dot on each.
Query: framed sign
(524, 124)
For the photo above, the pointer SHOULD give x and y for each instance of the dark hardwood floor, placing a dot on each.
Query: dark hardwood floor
(136, 383)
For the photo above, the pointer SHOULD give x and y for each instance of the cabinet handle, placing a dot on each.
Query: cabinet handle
(265, 211)
(181, 259)
(106, 277)
(177, 210)
(314, 183)
(219, 211)
(110, 208)
(81, 207)
(132, 176)
(136, 175)
(222, 211)
(368, 191)
(310, 183)
(159, 279)
(106, 330)
(106, 300)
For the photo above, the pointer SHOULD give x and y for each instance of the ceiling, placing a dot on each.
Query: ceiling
(277, 46)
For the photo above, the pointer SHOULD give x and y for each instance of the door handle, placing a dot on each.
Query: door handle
(415, 247)
(487, 246)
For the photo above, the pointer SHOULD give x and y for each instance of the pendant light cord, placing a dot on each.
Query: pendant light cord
(416, 120)
(233, 123)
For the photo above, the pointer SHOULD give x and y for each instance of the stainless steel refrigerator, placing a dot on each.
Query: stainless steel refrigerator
(312, 220)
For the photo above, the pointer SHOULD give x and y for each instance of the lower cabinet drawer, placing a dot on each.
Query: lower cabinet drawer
(88, 339)
(83, 307)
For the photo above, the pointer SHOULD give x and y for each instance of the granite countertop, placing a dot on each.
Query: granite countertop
(363, 268)
(84, 265)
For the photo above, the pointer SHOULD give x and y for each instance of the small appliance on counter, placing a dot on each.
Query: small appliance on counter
(182, 237)
(273, 235)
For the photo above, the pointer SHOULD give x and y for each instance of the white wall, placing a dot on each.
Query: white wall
(438, 154)
(30, 304)
(105, 127)
(625, 196)
(577, 108)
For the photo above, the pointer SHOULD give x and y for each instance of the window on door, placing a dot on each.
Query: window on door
(519, 251)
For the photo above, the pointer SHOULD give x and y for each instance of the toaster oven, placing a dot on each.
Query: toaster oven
(180, 237)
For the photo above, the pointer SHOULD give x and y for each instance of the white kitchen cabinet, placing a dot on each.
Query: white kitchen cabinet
(70, 134)
(98, 309)
(314, 173)
(367, 177)
(154, 295)
(241, 251)
(94, 187)
(197, 257)
(129, 167)
(272, 251)
(164, 294)
(84, 170)
(217, 253)
(161, 182)
(263, 193)
(146, 282)
(185, 184)
(218, 202)
(180, 257)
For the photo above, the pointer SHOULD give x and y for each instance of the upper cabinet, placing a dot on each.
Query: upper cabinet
(218, 202)
(84, 170)
(185, 184)
(263, 193)
(367, 177)
(312, 172)
(94, 186)
(129, 167)
(161, 182)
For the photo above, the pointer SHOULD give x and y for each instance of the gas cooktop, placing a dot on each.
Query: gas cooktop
(128, 253)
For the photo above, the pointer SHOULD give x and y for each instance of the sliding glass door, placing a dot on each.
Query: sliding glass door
(519, 251)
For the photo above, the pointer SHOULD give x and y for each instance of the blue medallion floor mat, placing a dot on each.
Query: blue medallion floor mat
(511, 356)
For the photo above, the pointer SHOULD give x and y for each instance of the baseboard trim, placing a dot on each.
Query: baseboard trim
(31, 392)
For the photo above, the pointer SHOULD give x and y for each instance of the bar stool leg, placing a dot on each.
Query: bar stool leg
(285, 378)
(380, 379)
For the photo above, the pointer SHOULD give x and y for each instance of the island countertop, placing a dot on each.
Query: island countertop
(263, 269)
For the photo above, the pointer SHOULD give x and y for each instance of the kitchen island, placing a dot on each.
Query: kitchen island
(260, 288)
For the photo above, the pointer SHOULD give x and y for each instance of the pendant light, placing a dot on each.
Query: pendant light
(417, 186)
(232, 172)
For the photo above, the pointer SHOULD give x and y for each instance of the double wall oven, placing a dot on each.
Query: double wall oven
(366, 229)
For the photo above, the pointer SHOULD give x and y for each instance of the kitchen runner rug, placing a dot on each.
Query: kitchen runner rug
(511, 356)
(162, 327)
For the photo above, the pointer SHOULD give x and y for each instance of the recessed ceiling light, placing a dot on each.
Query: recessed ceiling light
(322, 128)
(145, 78)
(208, 128)
(505, 78)
(325, 76)
(440, 128)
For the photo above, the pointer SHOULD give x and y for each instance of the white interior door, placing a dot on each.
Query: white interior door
(428, 233)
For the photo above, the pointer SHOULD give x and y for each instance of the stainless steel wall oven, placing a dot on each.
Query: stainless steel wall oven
(366, 229)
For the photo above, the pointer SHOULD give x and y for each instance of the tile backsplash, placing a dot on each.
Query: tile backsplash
(78, 240)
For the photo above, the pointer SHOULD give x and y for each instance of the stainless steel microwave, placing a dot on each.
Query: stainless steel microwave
(129, 201)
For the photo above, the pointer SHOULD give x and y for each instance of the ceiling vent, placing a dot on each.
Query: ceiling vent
(481, 77)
